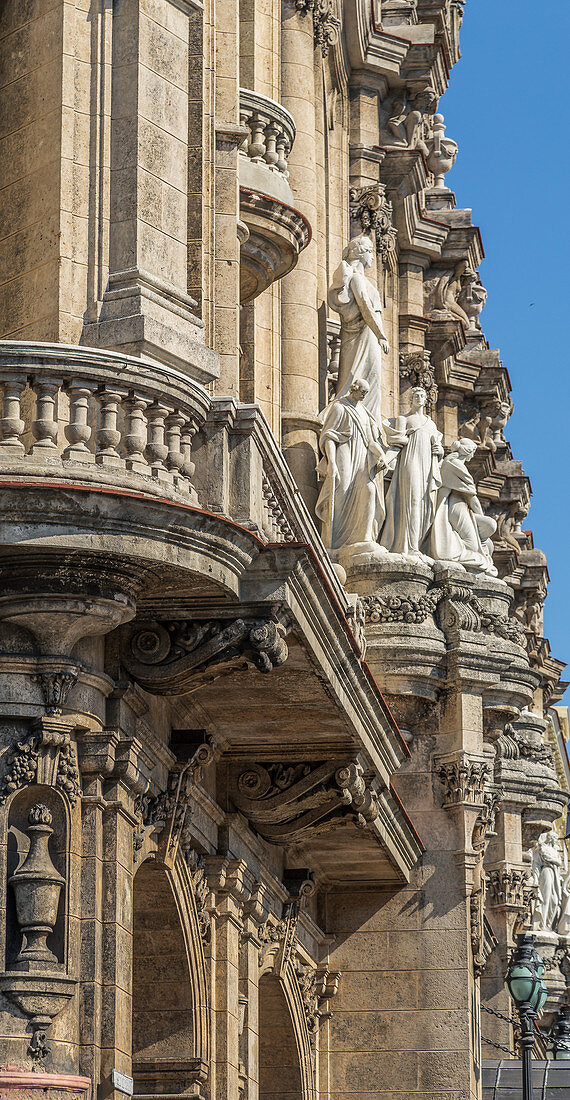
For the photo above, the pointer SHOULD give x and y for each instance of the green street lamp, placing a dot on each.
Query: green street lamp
(524, 983)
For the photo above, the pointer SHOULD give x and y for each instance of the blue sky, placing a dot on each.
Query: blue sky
(507, 109)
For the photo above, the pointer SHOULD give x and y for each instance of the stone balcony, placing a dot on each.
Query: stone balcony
(131, 497)
(274, 231)
(98, 418)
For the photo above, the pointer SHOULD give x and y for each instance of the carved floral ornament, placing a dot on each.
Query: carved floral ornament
(166, 818)
(464, 779)
(510, 887)
(455, 606)
(280, 952)
(47, 756)
(418, 370)
(325, 23)
(370, 208)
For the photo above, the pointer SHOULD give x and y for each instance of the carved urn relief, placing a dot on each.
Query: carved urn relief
(37, 982)
(37, 886)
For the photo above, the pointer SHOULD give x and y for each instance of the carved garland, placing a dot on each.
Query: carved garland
(47, 757)
(456, 605)
(325, 23)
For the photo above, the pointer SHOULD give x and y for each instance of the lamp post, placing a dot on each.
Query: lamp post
(528, 991)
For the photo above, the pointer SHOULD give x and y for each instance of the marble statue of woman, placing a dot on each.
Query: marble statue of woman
(351, 500)
(547, 863)
(410, 501)
(461, 531)
(362, 337)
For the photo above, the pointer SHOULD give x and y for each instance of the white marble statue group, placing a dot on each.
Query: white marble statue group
(550, 876)
(430, 510)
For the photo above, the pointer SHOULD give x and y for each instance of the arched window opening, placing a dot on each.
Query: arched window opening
(279, 1069)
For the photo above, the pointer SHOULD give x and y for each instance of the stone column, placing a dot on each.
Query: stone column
(115, 772)
(229, 135)
(227, 879)
(299, 317)
(146, 309)
(412, 957)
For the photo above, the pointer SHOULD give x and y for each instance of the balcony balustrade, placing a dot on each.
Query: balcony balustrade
(275, 232)
(97, 417)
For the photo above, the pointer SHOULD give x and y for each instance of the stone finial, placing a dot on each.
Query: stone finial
(442, 152)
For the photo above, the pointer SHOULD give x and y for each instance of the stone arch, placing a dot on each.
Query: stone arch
(283, 1033)
(170, 1021)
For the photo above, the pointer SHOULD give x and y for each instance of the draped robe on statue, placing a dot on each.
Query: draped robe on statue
(410, 500)
(358, 302)
(351, 506)
(460, 530)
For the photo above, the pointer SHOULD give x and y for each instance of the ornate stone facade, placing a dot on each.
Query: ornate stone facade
(278, 776)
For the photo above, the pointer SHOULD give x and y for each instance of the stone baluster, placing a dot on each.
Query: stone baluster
(186, 436)
(12, 424)
(44, 427)
(156, 447)
(108, 435)
(271, 135)
(257, 146)
(175, 456)
(282, 153)
(135, 440)
(244, 118)
(78, 431)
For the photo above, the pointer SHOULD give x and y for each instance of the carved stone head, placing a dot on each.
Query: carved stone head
(360, 248)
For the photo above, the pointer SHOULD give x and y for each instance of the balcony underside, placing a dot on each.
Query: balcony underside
(277, 232)
(306, 712)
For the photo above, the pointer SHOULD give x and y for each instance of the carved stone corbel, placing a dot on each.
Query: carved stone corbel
(56, 685)
(288, 800)
(166, 814)
(278, 938)
(175, 658)
(317, 987)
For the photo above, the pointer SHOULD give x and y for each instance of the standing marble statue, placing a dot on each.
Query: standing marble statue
(415, 444)
(362, 337)
(461, 531)
(547, 865)
(351, 500)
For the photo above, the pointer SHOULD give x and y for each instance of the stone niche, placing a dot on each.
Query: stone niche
(18, 848)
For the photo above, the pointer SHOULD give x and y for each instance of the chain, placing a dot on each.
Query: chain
(499, 1015)
(498, 1046)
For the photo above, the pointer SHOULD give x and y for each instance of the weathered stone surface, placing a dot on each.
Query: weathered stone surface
(267, 878)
